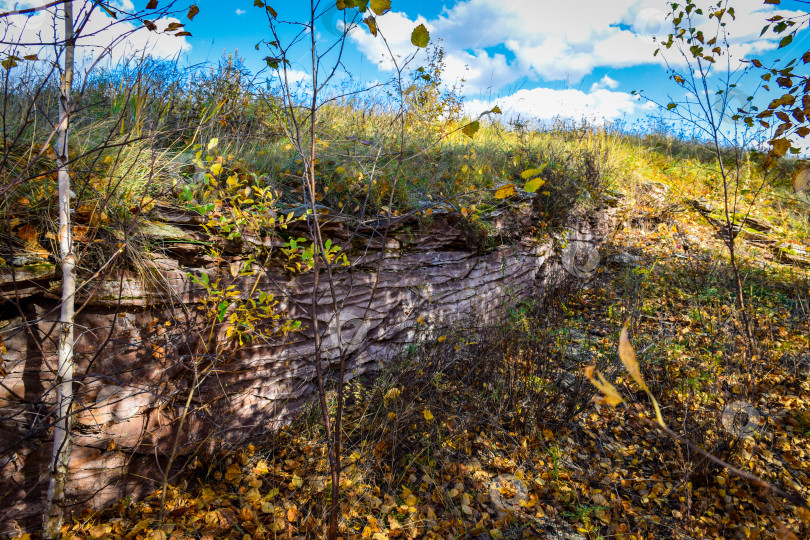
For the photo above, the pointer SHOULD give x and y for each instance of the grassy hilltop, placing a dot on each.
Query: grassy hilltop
(487, 432)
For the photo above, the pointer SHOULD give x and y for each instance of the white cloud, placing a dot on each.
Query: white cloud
(604, 83)
(397, 28)
(100, 34)
(493, 43)
(294, 77)
(545, 103)
(240, 12)
(479, 70)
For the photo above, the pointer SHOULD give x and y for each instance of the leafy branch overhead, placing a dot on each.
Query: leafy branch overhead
(420, 36)
(472, 128)
(785, 118)
(787, 114)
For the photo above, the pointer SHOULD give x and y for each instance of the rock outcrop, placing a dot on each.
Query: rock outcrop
(142, 343)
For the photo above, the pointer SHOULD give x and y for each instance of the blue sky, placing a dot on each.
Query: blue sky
(541, 58)
(576, 58)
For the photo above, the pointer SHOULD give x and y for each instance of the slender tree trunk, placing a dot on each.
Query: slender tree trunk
(54, 504)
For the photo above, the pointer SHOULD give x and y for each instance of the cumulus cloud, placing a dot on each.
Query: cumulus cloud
(293, 77)
(100, 35)
(397, 28)
(549, 40)
(479, 70)
(598, 106)
(240, 12)
(604, 83)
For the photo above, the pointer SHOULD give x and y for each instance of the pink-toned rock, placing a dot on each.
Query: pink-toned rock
(137, 345)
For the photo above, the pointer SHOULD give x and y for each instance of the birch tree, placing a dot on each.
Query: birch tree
(71, 24)
(60, 456)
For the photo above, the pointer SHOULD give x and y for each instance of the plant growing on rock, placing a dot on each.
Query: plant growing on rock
(236, 208)
(299, 120)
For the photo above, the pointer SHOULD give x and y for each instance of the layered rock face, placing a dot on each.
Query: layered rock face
(142, 343)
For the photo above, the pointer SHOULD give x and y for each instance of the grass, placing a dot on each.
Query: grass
(486, 401)
(141, 125)
(597, 471)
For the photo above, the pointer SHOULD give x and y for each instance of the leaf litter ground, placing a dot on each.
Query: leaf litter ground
(436, 448)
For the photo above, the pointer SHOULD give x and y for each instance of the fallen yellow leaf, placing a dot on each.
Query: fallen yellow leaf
(505, 191)
(392, 394)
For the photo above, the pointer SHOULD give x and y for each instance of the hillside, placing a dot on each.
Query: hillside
(449, 441)
(480, 429)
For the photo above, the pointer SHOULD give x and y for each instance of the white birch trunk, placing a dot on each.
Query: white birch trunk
(54, 504)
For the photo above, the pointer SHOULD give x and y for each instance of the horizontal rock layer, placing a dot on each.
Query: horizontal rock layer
(142, 342)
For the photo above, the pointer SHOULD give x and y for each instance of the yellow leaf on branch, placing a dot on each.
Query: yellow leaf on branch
(611, 395)
(628, 357)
